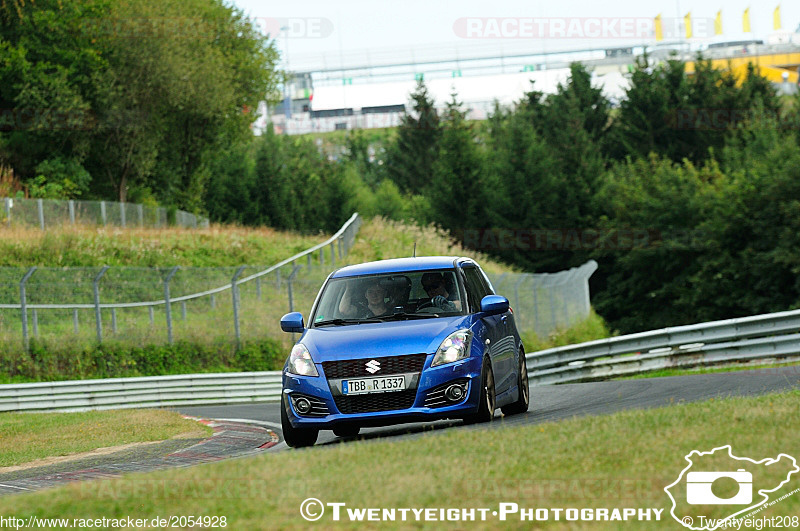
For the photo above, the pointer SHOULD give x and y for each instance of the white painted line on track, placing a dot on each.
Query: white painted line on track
(12, 487)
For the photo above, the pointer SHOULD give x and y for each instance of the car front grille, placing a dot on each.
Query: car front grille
(388, 365)
(375, 402)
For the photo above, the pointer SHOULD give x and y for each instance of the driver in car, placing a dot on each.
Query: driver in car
(436, 288)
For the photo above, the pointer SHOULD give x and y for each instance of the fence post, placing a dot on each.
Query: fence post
(75, 320)
(40, 207)
(8, 211)
(97, 314)
(167, 303)
(103, 212)
(535, 306)
(114, 320)
(152, 316)
(35, 323)
(278, 278)
(183, 311)
(235, 296)
(258, 288)
(71, 212)
(339, 245)
(307, 256)
(24, 306)
(322, 256)
(140, 208)
(213, 301)
(333, 255)
(122, 213)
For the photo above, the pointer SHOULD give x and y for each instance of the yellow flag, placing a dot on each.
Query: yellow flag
(776, 18)
(659, 28)
(687, 21)
(746, 21)
(718, 23)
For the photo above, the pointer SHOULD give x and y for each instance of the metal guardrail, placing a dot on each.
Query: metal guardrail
(774, 335)
(339, 243)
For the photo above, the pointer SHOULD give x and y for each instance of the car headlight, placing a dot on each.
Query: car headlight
(455, 347)
(300, 361)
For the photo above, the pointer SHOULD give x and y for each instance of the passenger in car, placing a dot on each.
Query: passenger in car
(373, 305)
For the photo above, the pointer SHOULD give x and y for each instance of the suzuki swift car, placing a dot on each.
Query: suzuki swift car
(404, 340)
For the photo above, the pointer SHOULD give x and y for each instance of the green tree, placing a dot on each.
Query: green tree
(410, 159)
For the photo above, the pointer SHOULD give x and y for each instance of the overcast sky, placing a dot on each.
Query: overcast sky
(326, 33)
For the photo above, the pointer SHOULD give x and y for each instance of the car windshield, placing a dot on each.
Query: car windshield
(388, 296)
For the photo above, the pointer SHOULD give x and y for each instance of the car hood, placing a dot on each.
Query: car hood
(368, 340)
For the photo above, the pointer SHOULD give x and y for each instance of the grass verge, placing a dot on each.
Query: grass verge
(26, 437)
(621, 460)
(591, 328)
(709, 370)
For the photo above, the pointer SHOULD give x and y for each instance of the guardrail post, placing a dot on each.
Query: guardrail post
(35, 323)
(213, 301)
(40, 207)
(307, 256)
(183, 311)
(114, 320)
(152, 316)
(322, 256)
(333, 255)
(71, 212)
(339, 245)
(278, 278)
(97, 314)
(75, 320)
(24, 306)
(235, 296)
(103, 212)
(168, 303)
(258, 288)
(8, 210)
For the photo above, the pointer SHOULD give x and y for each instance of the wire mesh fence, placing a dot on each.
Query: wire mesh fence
(44, 213)
(545, 302)
(167, 304)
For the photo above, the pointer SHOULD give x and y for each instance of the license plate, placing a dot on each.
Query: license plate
(373, 385)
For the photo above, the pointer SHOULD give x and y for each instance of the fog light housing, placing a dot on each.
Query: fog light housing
(302, 405)
(455, 392)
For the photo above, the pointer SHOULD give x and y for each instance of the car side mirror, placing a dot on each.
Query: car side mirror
(293, 322)
(494, 304)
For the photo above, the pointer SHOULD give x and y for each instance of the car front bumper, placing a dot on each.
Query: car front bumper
(429, 380)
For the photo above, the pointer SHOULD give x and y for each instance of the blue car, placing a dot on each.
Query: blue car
(403, 340)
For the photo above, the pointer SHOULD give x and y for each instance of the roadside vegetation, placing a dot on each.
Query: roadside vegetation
(28, 437)
(620, 460)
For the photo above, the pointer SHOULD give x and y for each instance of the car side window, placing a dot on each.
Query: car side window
(476, 288)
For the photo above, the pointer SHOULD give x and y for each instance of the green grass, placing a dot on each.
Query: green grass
(26, 437)
(708, 370)
(621, 460)
(591, 328)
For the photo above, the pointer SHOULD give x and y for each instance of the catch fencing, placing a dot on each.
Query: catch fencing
(546, 302)
(771, 337)
(154, 305)
(44, 213)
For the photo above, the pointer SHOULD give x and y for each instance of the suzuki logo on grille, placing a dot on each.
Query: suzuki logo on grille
(373, 366)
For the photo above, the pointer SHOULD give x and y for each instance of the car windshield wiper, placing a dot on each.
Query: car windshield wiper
(405, 315)
(339, 322)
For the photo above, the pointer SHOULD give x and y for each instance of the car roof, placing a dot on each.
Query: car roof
(400, 265)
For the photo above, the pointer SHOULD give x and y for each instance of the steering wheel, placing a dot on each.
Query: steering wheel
(426, 304)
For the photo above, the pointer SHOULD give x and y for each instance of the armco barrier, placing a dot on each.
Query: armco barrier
(774, 335)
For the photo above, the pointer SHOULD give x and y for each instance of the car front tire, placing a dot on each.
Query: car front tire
(296, 437)
(522, 403)
(486, 406)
